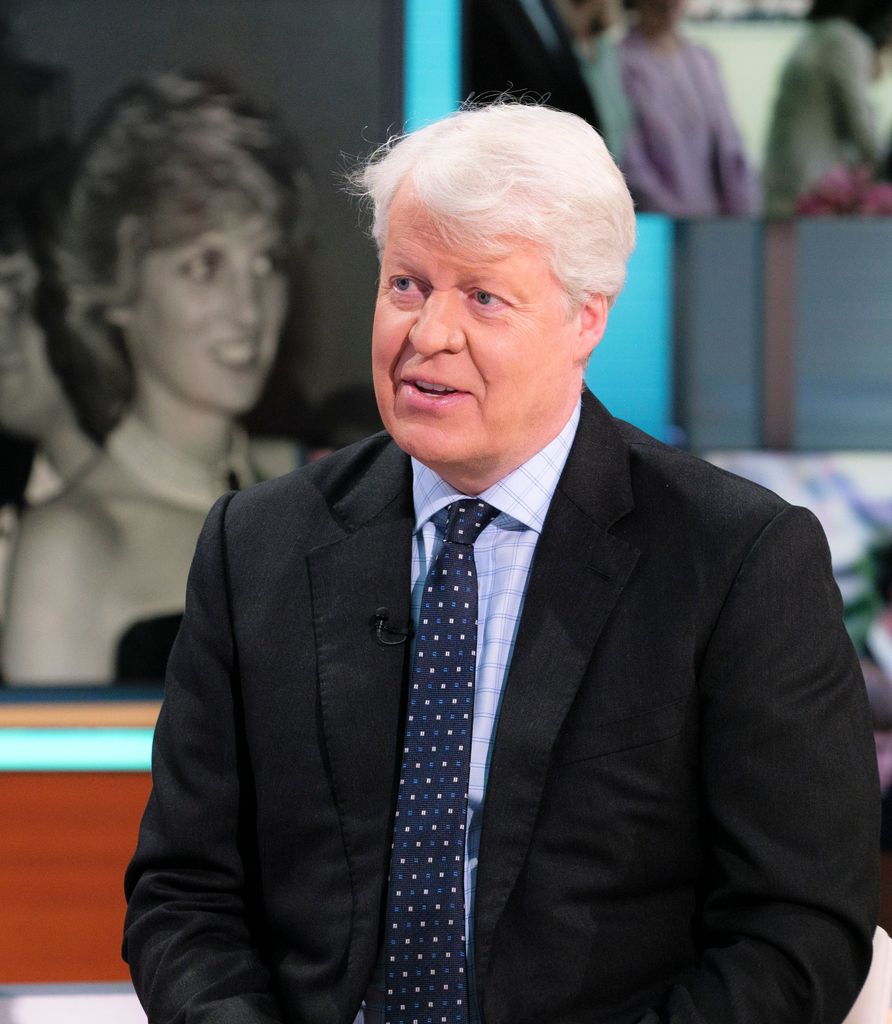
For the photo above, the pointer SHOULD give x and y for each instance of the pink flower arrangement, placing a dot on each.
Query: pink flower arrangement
(847, 191)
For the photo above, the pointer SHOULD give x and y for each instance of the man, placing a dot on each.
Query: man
(666, 809)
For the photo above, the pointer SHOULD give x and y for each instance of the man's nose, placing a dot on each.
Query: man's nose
(438, 325)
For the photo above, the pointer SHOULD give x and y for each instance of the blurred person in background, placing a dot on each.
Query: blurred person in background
(823, 119)
(685, 157)
(41, 444)
(594, 26)
(171, 262)
(33, 404)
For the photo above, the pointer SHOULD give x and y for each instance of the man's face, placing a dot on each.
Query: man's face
(475, 362)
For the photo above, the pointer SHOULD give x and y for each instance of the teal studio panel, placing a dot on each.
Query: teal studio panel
(631, 369)
(75, 750)
(432, 61)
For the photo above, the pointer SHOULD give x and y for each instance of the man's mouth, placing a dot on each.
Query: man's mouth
(429, 388)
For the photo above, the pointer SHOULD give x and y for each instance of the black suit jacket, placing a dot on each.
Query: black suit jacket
(681, 820)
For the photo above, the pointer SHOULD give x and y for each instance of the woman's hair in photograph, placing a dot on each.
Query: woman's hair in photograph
(167, 159)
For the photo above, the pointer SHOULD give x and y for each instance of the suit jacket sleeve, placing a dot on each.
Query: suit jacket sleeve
(190, 938)
(789, 797)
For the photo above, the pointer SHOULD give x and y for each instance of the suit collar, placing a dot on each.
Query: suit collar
(578, 573)
(595, 478)
(380, 489)
(597, 475)
(360, 680)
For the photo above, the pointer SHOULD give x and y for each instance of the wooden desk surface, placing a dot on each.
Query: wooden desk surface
(74, 713)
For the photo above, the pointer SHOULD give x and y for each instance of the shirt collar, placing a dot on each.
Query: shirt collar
(523, 495)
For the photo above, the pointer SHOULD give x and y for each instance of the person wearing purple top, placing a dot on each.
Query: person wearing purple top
(685, 157)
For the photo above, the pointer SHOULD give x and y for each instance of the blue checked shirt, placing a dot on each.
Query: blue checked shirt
(503, 554)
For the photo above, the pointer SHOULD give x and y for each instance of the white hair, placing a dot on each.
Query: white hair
(514, 170)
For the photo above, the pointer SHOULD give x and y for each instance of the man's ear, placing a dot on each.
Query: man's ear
(592, 324)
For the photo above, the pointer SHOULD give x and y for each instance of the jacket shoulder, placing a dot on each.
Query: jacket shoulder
(326, 497)
(715, 497)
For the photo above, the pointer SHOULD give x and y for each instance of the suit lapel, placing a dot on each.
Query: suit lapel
(360, 680)
(577, 575)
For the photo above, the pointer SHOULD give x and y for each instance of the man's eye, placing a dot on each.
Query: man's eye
(402, 284)
(483, 298)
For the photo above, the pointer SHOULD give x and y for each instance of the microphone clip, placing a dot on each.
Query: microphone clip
(389, 636)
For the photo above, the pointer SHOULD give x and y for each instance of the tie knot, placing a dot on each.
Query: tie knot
(467, 518)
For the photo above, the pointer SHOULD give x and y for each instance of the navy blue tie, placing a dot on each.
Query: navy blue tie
(424, 957)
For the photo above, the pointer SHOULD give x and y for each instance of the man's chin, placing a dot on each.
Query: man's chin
(431, 445)
(467, 472)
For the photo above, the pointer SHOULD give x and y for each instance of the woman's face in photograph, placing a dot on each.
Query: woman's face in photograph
(207, 314)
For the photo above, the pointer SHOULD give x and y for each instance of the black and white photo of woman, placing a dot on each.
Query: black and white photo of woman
(171, 261)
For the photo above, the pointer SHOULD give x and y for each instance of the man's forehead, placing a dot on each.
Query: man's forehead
(414, 222)
(427, 239)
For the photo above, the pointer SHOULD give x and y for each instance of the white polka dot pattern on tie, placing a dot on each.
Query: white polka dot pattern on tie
(424, 959)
